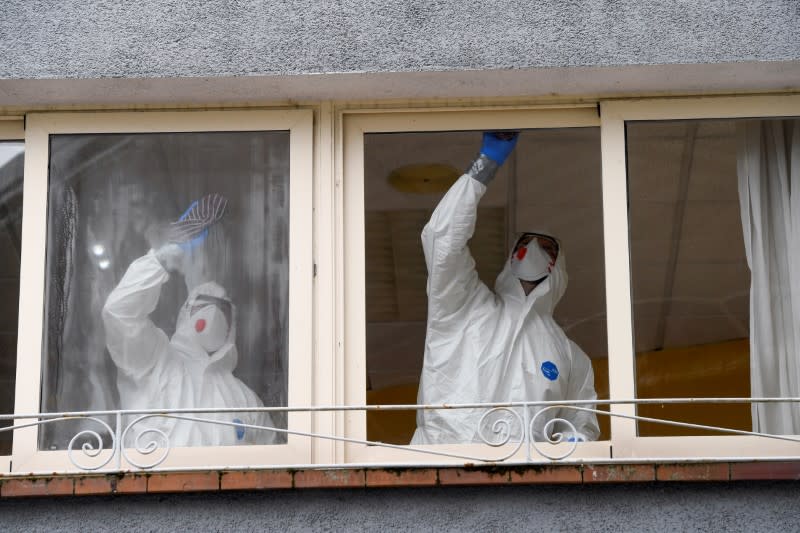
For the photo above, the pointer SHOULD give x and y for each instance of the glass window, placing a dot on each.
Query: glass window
(551, 184)
(167, 281)
(11, 169)
(714, 266)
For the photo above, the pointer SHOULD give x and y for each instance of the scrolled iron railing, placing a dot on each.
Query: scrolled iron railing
(106, 447)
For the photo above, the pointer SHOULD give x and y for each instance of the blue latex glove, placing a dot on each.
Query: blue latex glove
(497, 148)
(191, 229)
(573, 436)
(239, 429)
(190, 244)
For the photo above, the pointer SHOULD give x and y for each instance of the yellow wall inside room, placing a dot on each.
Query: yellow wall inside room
(709, 370)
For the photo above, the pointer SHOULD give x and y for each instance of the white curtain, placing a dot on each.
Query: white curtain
(769, 177)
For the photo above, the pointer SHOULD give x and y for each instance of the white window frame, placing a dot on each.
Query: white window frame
(39, 126)
(622, 377)
(355, 124)
(12, 129)
(327, 220)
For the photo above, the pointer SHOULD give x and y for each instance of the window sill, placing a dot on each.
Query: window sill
(141, 483)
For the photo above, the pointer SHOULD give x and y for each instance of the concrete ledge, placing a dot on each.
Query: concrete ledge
(495, 475)
(590, 82)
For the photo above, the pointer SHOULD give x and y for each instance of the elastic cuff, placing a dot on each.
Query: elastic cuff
(483, 169)
(162, 262)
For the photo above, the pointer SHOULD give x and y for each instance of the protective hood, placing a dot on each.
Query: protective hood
(190, 342)
(544, 297)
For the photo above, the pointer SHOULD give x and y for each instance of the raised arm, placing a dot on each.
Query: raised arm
(133, 341)
(452, 278)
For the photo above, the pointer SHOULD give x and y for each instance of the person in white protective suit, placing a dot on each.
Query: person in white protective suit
(193, 369)
(502, 346)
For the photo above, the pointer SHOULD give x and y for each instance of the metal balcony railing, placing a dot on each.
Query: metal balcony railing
(125, 440)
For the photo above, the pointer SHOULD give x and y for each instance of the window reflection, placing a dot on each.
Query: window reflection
(11, 170)
(167, 284)
(710, 202)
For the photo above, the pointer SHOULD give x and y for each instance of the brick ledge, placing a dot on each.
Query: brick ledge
(163, 482)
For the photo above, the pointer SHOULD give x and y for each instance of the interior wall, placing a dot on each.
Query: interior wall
(690, 278)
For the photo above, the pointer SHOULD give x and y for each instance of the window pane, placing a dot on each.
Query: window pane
(167, 281)
(692, 185)
(11, 169)
(551, 184)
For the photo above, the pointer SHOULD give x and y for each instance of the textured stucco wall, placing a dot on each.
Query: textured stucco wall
(165, 52)
(178, 38)
(640, 508)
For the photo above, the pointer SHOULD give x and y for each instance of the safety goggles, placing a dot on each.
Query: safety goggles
(548, 243)
(204, 300)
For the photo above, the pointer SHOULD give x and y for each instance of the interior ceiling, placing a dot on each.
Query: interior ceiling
(690, 278)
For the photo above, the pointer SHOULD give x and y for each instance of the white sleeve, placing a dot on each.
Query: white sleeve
(452, 278)
(133, 341)
(581, 387)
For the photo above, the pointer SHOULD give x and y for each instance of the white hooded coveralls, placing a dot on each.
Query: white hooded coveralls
(490, 347)
(155, 372)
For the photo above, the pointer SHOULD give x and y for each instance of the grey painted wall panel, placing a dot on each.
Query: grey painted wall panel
(613, 508)
(188, 38)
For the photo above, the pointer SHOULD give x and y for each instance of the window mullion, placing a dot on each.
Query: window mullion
(621, 363)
